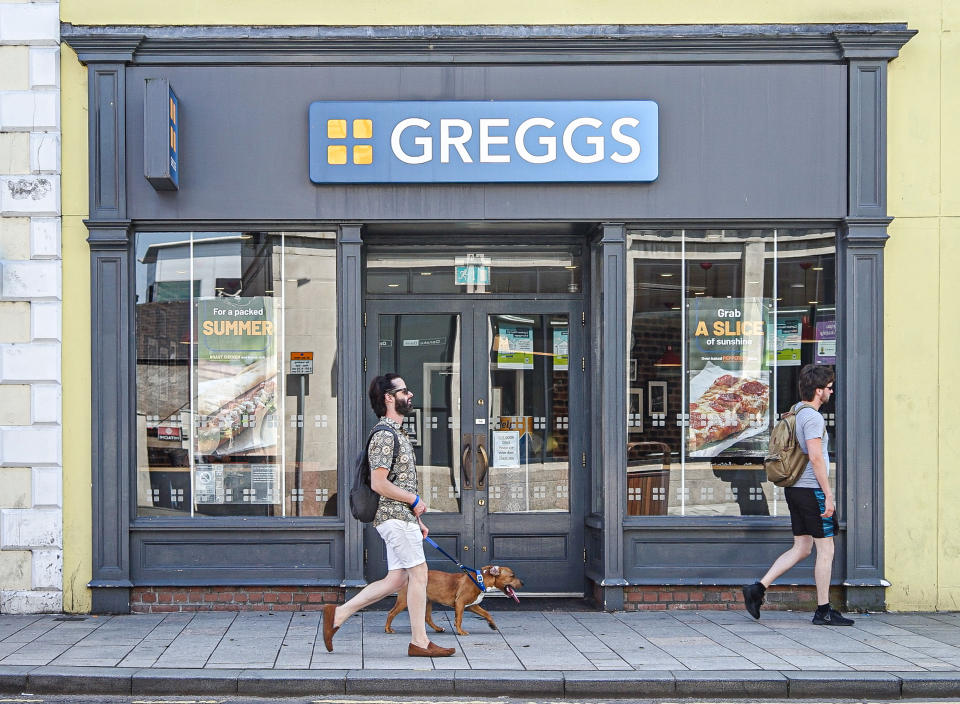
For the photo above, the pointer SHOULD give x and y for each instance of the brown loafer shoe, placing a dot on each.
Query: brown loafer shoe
(431, 651)
(329, 614)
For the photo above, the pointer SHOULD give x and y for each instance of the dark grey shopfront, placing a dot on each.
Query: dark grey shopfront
(762, 128)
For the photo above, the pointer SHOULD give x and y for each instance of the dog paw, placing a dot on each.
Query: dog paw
(463, 633)
(438, 629)
(388, 630)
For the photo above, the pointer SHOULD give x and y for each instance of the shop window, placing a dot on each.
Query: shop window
(737, 309)
(490, 269)
(227, 424)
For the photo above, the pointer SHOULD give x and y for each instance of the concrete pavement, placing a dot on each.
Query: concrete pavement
(546, 653)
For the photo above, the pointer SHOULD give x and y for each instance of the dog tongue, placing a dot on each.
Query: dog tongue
(512, 594)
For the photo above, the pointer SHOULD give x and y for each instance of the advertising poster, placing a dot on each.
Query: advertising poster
(561, 349)
(729, 376)
(789, 328)
(236, 377)
(826, 348)
(514, 346)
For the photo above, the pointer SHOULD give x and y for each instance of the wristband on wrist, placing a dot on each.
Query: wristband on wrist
(415, 502)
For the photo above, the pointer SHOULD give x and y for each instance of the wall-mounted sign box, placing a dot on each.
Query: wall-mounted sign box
(161, 135)
(484, 141)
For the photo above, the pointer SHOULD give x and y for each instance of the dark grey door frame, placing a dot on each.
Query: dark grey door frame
(473, 312)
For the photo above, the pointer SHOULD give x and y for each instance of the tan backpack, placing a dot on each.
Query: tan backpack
(786, 460)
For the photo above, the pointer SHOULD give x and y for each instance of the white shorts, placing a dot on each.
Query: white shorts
(404, 543)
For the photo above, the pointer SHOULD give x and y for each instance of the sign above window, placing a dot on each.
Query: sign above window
(484, 141)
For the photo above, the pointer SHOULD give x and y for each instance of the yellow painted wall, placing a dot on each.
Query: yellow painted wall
(77, 518)
(922, 262)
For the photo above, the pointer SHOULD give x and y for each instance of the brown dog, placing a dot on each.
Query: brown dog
(457, 590)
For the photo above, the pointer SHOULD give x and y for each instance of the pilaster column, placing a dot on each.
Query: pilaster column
(609, 373)
(350, 391)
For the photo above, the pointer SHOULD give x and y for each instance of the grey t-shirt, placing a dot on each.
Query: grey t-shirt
(810, 424)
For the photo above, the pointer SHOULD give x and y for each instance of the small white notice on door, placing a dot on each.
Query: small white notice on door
(506, 448)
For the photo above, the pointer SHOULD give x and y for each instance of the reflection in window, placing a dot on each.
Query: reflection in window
(222, 428)
(721, 322)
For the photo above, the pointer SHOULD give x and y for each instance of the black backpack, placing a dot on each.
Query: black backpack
(363, 499)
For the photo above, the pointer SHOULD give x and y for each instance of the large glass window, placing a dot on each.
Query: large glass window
(463, 269)
(236, 374)
(720, 323)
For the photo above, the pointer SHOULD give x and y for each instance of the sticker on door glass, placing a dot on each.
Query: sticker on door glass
(506, 449)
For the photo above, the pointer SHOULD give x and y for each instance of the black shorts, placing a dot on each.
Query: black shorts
(805, 506)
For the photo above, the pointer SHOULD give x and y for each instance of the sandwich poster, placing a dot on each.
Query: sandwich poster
(235, 392)
(728, 390)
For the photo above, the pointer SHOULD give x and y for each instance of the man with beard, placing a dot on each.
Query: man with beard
(394, 477)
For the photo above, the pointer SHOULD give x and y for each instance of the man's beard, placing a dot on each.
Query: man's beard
(404, 406)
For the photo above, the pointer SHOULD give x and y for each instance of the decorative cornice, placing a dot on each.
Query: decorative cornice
(886, 45)
(117, 47)
(865, 232)
(484, 44)
(108, 234)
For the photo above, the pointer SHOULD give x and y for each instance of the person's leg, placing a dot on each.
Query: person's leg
(802, 544)
(372, 593)
(417, 603)
(823, 569)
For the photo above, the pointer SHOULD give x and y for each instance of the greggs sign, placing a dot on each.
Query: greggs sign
(484, 141)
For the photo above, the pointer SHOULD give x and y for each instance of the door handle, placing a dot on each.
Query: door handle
(466, 461)
(482, 477)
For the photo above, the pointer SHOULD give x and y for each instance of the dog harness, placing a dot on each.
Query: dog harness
(476, 576)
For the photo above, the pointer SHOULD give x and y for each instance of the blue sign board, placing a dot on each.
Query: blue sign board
(174, 138)
(484, 141)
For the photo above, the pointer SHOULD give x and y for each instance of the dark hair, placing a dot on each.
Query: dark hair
(813, 377)
(378, 387)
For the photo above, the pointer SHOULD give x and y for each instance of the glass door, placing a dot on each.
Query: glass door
(498, 431)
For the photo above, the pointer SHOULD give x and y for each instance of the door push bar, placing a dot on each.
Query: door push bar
(468, 442)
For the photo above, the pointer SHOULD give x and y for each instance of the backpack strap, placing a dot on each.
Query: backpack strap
(396, 442)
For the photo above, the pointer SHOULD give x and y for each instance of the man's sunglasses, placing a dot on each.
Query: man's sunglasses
(404, 390)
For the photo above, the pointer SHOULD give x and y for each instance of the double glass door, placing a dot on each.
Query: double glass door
(498, 430)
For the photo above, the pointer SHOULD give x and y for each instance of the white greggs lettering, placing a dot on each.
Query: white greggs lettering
(455, 134)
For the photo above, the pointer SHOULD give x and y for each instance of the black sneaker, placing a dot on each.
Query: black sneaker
(831, 618)
(753, 598)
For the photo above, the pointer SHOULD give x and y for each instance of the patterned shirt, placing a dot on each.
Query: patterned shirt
(402, 471)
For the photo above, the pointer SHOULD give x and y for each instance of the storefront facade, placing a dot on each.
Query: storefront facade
(590, 229)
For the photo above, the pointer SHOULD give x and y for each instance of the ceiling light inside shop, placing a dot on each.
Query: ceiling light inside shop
(818, 268)
(426, 273)
(571, 266)
(393, 285)
(813, 303)
(698, 293)
(753, 282)
(666, 276)
(796, 285)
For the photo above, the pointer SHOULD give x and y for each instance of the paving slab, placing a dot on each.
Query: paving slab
(840, 685)
(80, 680)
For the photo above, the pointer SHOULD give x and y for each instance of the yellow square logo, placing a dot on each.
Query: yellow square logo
(337, 154)
(336, 129)
(363, 154)
(363, 129)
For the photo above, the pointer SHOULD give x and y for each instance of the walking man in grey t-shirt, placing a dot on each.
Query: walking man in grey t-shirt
(813, 514)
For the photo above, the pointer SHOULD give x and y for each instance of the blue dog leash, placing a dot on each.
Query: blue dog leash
(476, 576)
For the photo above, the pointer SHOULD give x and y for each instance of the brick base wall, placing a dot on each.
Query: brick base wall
(152, 600)
(717, 598)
